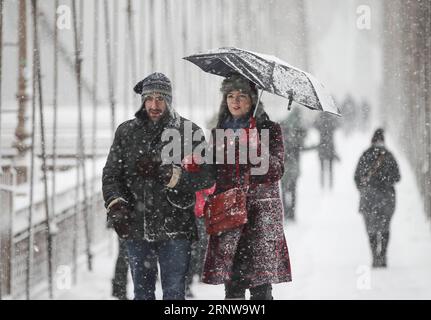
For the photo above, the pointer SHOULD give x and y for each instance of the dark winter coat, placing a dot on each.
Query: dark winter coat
(326, 124)
(262, 239)
(157, 212)
(294, 135)
(376, 173)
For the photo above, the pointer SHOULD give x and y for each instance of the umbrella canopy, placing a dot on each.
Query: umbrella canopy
(268, 73)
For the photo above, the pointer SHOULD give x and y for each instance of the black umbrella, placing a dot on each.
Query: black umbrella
(270, 74)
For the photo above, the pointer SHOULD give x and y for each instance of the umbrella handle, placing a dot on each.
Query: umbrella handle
(289, 106)
(258, 101)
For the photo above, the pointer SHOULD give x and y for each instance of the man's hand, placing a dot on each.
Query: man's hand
(119, 217)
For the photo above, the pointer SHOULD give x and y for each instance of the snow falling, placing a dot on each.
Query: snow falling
(68, 69)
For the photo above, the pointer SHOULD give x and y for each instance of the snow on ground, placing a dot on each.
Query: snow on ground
(328, 245)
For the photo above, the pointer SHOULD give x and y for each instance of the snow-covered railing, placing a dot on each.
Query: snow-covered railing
(68, 236)
(6, 212)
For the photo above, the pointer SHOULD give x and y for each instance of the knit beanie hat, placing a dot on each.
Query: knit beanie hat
(155, 82)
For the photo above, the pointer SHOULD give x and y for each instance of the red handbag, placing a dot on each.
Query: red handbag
(226, 211)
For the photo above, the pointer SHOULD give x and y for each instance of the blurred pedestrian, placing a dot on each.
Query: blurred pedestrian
(375, 177)
(365, 111)
(326, 124)
(294, 134)
(350, 115)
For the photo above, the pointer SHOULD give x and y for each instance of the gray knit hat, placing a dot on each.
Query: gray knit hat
(155, 82)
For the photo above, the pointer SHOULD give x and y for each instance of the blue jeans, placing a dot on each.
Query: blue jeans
(173, 257)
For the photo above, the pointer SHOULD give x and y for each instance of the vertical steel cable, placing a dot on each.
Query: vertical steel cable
(186, 49)
(1, 64)
(109, 66)
(152, 33)
(20, 132)
(95, 104)
(29, 260)
(77, 206)
(114, 48)
(36, 61)
(132, 41)
(171, 39)
(131, 26)
(55, 115)
(126, 66)
(81, 140)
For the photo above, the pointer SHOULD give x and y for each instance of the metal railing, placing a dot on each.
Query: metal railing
(6, 218)
(69, 233)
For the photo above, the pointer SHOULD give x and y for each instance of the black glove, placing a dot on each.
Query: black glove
(119, 217)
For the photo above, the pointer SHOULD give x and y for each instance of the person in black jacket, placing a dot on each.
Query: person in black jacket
(326, 124)
(375, 176)
(148, 192)
(294, 134)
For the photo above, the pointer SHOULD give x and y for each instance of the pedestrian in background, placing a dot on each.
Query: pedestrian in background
(375, 177)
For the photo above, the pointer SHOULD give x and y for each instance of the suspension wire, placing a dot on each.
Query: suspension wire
(204, 96)
(76, 210)
(171, 28)
(114, 48)
(1, 64)
(95, 104)
(80, 21)
(30, 240)
(109, 66)
(55, 115)
(81, 140)
(36, 51)
(186, 47)
(77, 206)
(152, 34)
(86, 215)
(126, 78)
(131, 25)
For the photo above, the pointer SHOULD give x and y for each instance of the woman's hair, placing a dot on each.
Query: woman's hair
(236, 82)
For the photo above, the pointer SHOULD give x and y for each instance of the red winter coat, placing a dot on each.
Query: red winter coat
(201, 196)
(262, 237)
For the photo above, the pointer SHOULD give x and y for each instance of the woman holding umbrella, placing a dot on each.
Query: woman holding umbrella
(255, 255)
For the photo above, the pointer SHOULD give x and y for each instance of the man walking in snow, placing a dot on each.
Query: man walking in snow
(150, 201)
(375, 176)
